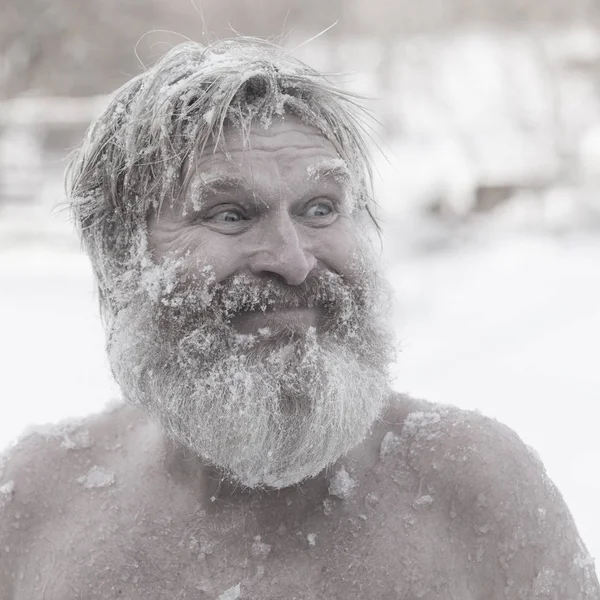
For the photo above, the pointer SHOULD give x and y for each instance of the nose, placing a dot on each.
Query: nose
(282, 252)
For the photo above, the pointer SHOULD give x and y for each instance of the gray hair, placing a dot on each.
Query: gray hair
(134, 155)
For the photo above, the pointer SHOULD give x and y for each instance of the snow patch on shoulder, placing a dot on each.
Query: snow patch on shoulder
(420, 419)
(77, 440)
(97, 477)
(6, 493)
(74, 435)
(3, 460)
(390, 444)
(424, 426)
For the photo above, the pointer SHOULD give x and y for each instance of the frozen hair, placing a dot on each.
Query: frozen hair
(134, 156)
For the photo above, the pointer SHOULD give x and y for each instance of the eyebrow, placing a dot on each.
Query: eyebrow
(335, 169)
(221, 182)
(225, 182)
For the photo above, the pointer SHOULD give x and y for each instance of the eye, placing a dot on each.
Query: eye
(320, 209)
(228, 215)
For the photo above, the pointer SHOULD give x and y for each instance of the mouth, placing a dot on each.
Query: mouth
(277, 319)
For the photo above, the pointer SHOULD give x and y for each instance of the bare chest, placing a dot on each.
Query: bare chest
(380, 544)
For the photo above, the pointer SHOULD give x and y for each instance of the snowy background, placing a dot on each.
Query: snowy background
(489, 186)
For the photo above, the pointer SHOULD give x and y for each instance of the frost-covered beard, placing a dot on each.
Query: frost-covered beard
(269, 409)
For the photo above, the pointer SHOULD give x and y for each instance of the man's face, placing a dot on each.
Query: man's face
(277, 205)
(257, 337)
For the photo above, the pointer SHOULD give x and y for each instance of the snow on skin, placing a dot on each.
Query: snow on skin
(420, 428)
(231, 594)
(6, 493)
(423, 501)
(341, 484)
(260, 549)
(420, 420)
(74, 437)
(78, 440)
(97, 478)
(390, 444)
(371, 500)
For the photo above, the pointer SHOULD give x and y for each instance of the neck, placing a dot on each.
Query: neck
(211, 486)
(214, 487)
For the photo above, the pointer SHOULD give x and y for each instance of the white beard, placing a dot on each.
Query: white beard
(266, 412)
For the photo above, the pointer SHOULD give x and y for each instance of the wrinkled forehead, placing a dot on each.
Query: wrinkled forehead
(288, 149)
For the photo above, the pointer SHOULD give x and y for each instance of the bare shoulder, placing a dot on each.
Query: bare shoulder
(501, 506)
(43, 475)
(47, 457)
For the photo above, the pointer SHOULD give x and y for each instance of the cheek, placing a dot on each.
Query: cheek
(171, 241)
(337, 247)
(215, 252)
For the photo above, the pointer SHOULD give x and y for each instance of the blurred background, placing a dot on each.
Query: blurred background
(488, 181)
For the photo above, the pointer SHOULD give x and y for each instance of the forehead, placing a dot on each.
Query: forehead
(288, 147)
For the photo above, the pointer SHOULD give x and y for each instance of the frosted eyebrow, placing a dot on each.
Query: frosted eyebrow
(221, 182)
(212, 183)
(335, 169)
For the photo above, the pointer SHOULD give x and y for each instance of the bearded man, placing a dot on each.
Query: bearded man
(224, 199)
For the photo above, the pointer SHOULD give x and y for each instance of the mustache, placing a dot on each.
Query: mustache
(244, 293)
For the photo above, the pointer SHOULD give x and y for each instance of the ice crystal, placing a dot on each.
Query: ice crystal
(97, 477)
(77, 440)
(232, 593)
(259, 548)
(423, 501)
(341, 484)
(391, 444)
(6, 493)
